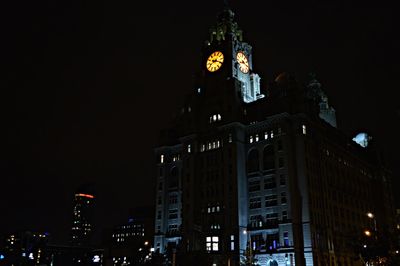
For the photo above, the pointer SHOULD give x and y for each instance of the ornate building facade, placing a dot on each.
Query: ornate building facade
(262, 170)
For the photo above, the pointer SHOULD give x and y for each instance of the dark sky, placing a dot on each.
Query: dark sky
(88, 86)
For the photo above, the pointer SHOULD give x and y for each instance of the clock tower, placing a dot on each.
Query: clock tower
(227, 56)
(243, 176)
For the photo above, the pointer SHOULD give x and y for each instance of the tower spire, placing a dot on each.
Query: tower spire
(226, 4)
(225, 25)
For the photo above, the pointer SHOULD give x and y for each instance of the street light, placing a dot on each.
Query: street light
(367, 233)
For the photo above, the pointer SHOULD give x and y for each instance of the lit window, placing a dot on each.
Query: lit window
(208, 243)
(230, 138)
(198, 90)
(266, 135)
(272, 134)
(286, 239)
(216, 117)
(256, 137)
(217, 209)
(189, 150)
(162, 158)
(212, 243)
(304, 129)
(251, 139)
(203, 147)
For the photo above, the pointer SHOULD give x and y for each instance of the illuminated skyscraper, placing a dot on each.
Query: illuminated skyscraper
(82, 222)
(263, 169)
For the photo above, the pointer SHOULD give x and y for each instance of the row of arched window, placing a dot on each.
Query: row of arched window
(268, 159)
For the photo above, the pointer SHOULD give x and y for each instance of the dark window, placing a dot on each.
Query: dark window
(281, 163)
(253, 161)
(271, 201)
(254, 185)
(269, 183)
(173, 199)
(271, 219)
(269, 158)
(172, 228)
(255, 203)
(173, 178)
(280, 146)
(284, 215)
(173, 214)
(282, 180)
(283, 198)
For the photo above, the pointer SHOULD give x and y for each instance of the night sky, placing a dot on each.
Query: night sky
(88, 86)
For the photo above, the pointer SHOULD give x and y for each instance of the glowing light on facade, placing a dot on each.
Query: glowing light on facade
(84, 195)
(362, 139)
(96, 258)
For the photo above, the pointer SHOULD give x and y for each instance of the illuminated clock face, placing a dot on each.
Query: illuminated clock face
(243, 62)
(214, 61)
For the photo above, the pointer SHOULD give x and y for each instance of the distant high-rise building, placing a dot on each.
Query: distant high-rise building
(83, 215)
(138, 229)
(265, 172)
(131, 241)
